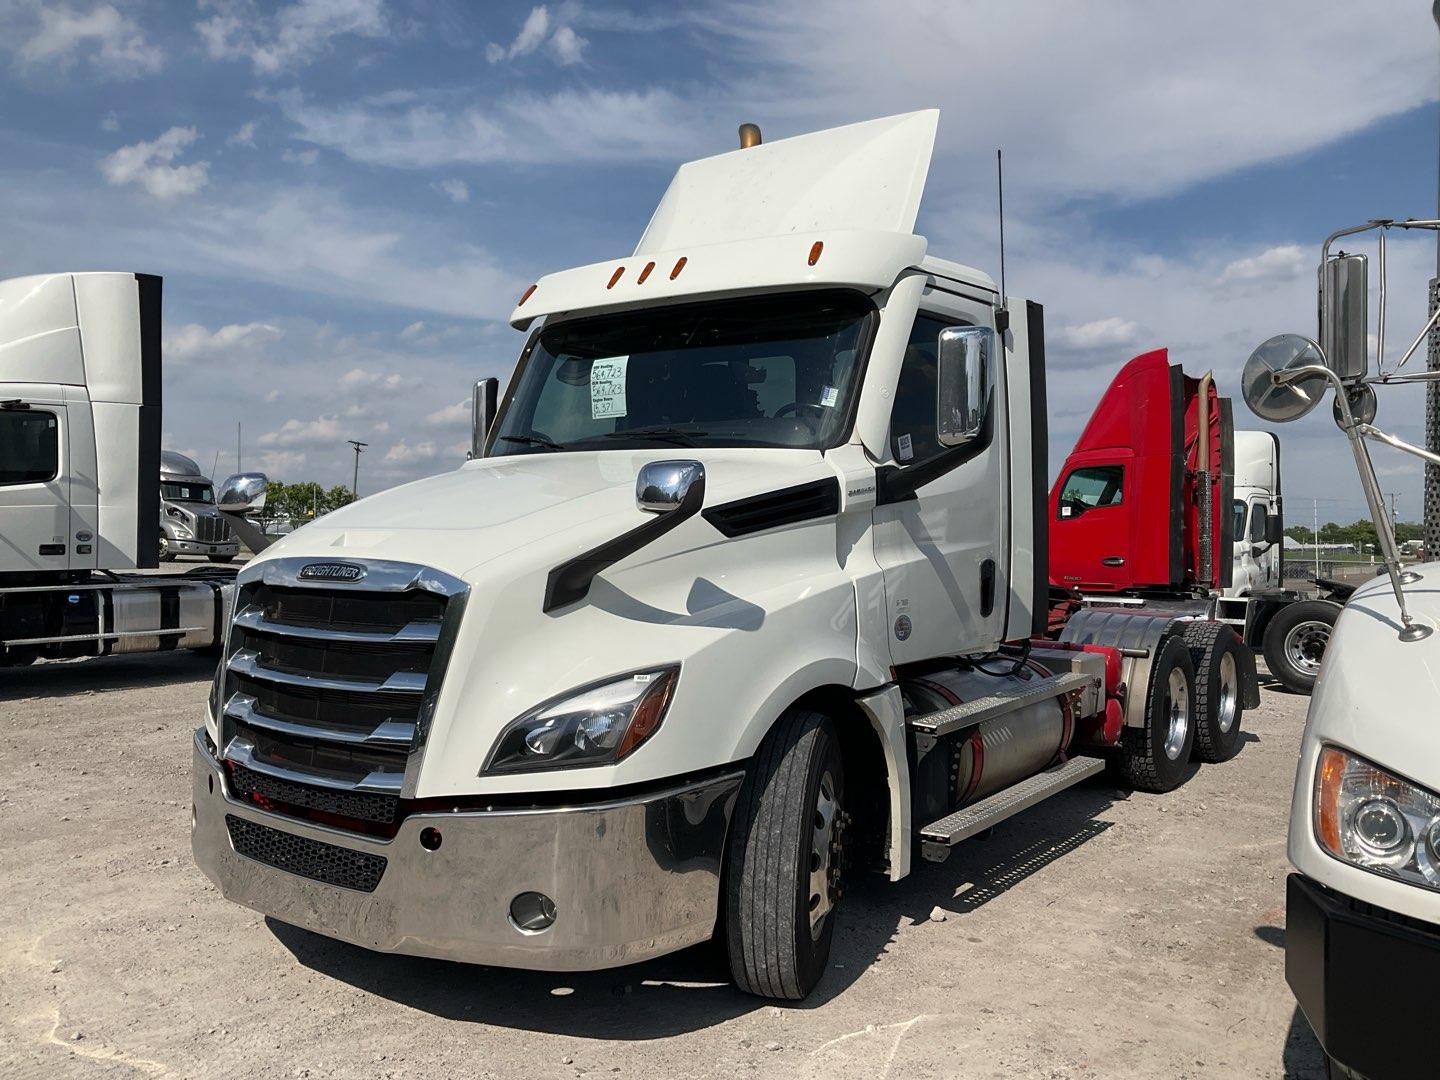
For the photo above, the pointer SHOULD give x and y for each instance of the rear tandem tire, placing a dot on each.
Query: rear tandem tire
(1295, 642)
(784, 845)
(1156, 757)
(1219, 700)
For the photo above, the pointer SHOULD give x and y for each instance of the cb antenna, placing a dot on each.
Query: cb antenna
(1002, 314)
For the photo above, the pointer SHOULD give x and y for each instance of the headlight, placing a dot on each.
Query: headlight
(1375, 820)
(598, 725)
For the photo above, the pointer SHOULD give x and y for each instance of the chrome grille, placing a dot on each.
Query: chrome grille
(211, 528)
(331, 685)
(314, 859)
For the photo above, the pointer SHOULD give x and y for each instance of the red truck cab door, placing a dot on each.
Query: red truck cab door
(1090, 528)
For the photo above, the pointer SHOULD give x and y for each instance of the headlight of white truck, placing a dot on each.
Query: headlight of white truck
(596, 725)
(1373, 819)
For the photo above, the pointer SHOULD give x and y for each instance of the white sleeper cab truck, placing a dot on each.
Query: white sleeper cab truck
(736, 595)
(79, 464)
(1362, 937)
(190, 522)
(1291, 629)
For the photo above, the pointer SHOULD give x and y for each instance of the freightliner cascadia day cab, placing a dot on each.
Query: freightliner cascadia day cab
(80, 476)
(737, 595)
(190, 521)
(1362, 937)
(1137, 519)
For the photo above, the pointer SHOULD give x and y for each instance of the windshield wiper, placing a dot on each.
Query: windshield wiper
(533, 440)
(661, 434)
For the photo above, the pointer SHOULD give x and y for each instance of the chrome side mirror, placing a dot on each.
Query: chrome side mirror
(965, 383)
(1344, 315)
(243, 493)
(665, 486)
(482, 414)
(1269, 383)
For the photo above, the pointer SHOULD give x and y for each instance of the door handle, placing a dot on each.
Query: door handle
(1113, 560)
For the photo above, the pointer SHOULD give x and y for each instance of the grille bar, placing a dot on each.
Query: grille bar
(391, 733)
(243, 752)
(314, 859)
(246, 663)
(418, 632)
(263, 790)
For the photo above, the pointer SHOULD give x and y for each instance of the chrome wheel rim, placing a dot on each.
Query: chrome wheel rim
(1226, 707)
(1177, 707)
(822, 854)
(1305, 645)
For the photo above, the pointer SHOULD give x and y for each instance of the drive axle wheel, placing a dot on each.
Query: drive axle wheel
(1218, 699)
(1156, 757)
(783, 863)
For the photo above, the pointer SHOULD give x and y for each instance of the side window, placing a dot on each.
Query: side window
(1259, 519)
(912, 419)
(1091, 486)
(1238, 528)
(29, 446)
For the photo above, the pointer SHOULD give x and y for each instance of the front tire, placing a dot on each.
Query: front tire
(166, 555)
(1156, 757)
(1219, 701)
(1296, 640)
(782, 866)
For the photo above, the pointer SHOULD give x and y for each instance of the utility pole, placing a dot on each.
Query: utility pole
(360, 448)
(1316, 504)
(237, 430)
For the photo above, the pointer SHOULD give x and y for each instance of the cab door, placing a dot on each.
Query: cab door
(941, 548)
(34, 497)
(1090, 531)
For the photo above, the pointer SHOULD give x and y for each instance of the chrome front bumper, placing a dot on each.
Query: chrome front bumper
(185, 546)
(630, 879)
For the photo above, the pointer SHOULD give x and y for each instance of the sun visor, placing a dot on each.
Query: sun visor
(867, 176)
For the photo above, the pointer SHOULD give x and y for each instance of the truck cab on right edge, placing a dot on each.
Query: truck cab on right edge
(1362, 938)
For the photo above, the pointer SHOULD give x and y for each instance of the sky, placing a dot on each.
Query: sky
(346, 197)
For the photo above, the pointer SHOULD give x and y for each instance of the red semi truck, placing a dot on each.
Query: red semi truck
(1145, 515)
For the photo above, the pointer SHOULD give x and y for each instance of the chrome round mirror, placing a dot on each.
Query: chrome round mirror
(1290, 400)
(1362, 405)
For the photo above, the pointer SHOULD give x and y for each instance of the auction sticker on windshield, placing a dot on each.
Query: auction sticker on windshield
(607, 387)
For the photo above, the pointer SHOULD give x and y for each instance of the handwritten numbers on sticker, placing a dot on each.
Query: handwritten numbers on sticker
(607, 388)
(829, 396)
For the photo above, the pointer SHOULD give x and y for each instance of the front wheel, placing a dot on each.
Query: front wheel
(166, 555)
(1156, 757)
(1296, 640)
(783, 863)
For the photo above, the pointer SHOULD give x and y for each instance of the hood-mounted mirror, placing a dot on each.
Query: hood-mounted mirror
(1281, 402)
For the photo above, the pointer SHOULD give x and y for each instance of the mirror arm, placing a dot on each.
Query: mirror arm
(1370, 431)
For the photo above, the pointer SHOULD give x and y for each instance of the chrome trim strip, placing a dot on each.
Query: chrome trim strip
(390, 734)
(381, 575)
(246, 663)
(416, 633)
(108, 636)
(243, 753)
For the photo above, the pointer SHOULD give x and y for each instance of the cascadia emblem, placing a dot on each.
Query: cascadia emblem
(332, 571)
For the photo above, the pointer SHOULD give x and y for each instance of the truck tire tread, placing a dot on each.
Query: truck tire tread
(1211, 744)
(1142, 763)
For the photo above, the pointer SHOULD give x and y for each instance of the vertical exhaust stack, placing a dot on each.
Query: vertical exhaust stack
(1203, 488)
(749, 136)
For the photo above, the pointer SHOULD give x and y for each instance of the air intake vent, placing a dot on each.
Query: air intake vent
(358, 870)
(787, 506)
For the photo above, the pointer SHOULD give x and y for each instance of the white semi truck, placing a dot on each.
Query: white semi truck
(1362, 938)
(744, 588)
(190, 521)
(80, 477)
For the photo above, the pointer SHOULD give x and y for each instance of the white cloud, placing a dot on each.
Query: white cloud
(301, 157)
(149, 164)
(531, 37)
(306, 433)
(403, 453)
(359, 380)
(566, 46)
(244, 135)
(457, 191)
(292, 37)
(1274, 264)
(458, 413)
(1112, 332)
(193, 341)
(63, 34)
(413, 331)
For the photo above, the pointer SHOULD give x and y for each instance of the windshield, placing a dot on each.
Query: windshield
(172, 492)
(766, 371)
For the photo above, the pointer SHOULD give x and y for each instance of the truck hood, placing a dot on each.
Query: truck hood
(1380, 696)
(530, 507)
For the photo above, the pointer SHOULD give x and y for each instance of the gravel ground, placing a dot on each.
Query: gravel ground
(1099, 935)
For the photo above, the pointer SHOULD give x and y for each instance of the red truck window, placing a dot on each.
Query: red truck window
(1091, 486)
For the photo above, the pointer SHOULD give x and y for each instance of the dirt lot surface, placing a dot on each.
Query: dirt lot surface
(1099, 935)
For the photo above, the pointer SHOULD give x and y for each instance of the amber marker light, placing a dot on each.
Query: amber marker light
(815, 250)
(1328, 775)
(645, 273)
(615, 276)
(679, 265)
(527, 294)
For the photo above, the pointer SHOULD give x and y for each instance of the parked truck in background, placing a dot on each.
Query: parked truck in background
(190, 521)
(1362, 934)
(1134, 522)
(80, 477)
(744, 589)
